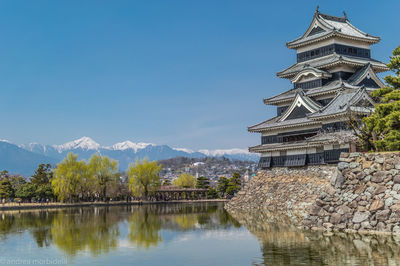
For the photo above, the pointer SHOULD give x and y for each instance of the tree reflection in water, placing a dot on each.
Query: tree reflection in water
(92, 229)
(97, 229)
(144, 228)
(284, 244)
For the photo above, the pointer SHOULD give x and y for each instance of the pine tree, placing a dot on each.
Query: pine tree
(6, 190)
(202, 182)
(381, 130)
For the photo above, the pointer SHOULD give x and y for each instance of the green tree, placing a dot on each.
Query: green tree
(233, 184)
(26, 191)
(212, 193)
(6, 190)
(44, 191)
(17, 182)
(144, 177)
(42, 180)
(222, 185)
(69, 179)
(104, 171)
(42, 175)
(202, 182)
(185, 181)
(381, 130)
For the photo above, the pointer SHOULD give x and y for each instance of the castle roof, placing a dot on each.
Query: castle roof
(345, 101)
(326, 26)
(330, 61)
(329, 88)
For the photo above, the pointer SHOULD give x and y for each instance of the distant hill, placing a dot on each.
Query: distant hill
(20, 161)
(25, 158)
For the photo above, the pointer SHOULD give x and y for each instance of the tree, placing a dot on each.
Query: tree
(381, 130)
(233, 184)
(17, 182)
(185, 181)
(202, 182)
(103, 171)
(144, 177)
(42, 180)
(6, 190)
(222, 185)
(212, 193)
(26, 191)
(69, 178)
(42, 175)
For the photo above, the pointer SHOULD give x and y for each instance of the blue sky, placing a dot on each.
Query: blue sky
(184, 73)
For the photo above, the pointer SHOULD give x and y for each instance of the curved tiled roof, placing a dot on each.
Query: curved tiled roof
(344, 101)
(331, 60)
(332, 26)
(329, 88)
(274, 123)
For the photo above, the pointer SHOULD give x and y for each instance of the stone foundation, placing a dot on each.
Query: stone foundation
(361, 193)
(289, 190)
(366, 195)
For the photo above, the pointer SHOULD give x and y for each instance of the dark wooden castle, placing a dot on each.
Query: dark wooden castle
(332, 81)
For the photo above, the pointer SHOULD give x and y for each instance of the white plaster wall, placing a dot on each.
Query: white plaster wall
(331, 41)
(328, 147)
(296, 152)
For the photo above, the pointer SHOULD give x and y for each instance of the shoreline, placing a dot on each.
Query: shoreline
(38, 206)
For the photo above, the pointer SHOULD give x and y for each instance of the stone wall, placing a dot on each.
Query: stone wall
(290, 190)
(366, 195)
(361, 193)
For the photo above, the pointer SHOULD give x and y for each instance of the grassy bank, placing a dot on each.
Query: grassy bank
(52, 205)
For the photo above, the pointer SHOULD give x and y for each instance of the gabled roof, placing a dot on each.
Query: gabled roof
(274, 123)
(365, 72)
(343, 102)
(325, 26)
(329, 88)
(346, 100)
(332, 60)
(300, 100)
(308, 70)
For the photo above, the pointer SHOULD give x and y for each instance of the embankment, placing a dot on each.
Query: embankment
(361, 194)
(37, 206)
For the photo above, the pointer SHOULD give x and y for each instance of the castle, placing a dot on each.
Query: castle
(332, 80)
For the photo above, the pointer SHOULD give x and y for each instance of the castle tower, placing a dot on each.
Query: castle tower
(332, 80)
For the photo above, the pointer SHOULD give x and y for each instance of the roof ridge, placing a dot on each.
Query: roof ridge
(358, 73)
(275, 117)
(333, 18)
(307, 98)
(358, 93)
(280, 94)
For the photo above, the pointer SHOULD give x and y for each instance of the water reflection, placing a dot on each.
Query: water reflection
(97, 230)
(284, 244)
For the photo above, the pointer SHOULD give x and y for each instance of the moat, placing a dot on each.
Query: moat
(178, 234)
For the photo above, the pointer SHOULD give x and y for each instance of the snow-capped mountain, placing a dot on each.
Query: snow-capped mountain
(129, 145)
(125, 152)
(84, 143)
(224, 152)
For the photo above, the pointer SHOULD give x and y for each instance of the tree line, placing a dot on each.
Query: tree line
(98, 179)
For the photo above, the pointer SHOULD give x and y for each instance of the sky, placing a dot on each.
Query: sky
(183, 73)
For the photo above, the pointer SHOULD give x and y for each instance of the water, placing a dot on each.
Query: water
(178, 234)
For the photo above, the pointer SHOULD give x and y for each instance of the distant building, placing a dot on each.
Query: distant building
(332, 80)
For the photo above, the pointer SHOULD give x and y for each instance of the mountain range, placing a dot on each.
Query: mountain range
(24, 159)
